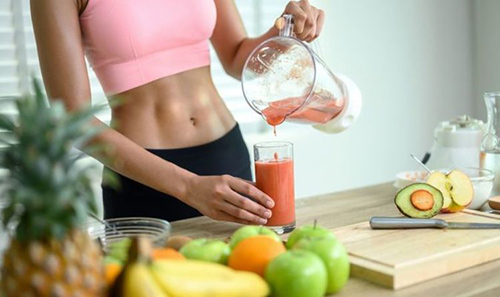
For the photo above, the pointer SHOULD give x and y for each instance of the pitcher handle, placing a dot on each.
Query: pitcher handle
(285, 25)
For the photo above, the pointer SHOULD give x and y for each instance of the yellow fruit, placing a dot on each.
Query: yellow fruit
(139, 282)
(456, 188)
(136, 279)
(190, 278)
(198, 279)
(49, 198)
(65, 267)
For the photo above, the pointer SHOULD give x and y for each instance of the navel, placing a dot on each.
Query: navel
(193, 121)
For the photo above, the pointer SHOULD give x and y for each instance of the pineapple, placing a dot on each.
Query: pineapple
(48, 198)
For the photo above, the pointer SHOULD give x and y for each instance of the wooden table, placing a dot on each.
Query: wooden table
(354, 206)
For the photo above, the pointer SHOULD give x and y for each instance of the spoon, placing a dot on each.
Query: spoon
(106, 225)
(421, 164)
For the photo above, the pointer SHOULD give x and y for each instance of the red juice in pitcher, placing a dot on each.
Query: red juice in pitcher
(318, 110)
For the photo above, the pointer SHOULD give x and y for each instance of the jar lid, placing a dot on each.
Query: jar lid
(462, 131)
(463, 122)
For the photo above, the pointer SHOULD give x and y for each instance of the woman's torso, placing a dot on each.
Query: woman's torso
(164, 110)
(181, 110)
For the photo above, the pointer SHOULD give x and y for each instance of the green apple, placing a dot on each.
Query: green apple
(210, 250)
(333, 254)
(118, 250)
(250, 231)
(297, 273)
(309, 231)
(112, 260)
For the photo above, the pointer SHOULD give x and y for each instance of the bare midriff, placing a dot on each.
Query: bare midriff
(178, 111)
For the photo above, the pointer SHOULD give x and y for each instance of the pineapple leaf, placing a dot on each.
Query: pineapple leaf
(39, 96)
(6, 123)
(110, 179)
(48, 193)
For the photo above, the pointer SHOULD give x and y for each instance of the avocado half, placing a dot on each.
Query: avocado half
(405, 203)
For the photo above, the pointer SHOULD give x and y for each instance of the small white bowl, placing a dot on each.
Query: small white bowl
(482, 181)
(406, 178)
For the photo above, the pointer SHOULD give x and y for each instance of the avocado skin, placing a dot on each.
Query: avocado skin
(403, 203)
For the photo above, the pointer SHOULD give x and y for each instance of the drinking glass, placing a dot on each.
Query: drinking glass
(274, 176)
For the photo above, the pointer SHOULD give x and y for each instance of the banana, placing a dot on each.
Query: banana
(192, 278)
(139, 282)
(192, 267)
(136, 279)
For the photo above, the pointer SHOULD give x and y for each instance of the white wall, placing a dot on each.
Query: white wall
(487, 51)
(412, 60)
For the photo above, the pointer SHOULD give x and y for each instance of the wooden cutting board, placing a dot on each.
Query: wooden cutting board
(401, 258)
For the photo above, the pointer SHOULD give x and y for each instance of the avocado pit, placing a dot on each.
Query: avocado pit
(422, 200)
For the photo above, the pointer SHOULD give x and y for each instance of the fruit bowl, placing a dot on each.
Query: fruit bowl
(115, 230)
(406, 178)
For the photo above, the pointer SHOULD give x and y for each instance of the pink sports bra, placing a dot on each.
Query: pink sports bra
(132, 42)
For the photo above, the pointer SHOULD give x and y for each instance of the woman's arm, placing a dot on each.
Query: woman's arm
(57, 32)
(60, 50)
(232, 44)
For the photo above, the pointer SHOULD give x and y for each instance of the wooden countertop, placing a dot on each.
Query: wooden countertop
(354, 206)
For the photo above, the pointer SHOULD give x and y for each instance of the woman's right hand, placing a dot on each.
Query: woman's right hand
(228, 198)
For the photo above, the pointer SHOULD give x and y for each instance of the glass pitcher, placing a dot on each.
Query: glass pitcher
(284, 79)
(490, 145)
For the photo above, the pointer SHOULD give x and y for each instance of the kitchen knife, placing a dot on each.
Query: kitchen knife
(409, 223)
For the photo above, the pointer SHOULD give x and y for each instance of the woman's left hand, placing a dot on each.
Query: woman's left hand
(308, 20)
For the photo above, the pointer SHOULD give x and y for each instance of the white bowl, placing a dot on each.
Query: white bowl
(406, 178)
(482, 181)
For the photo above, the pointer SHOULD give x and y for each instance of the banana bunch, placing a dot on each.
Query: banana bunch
(178, 278)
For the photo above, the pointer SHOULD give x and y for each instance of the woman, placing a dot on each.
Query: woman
(175, 146)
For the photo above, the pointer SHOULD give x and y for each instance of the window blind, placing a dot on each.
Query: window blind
(18, 57)
(9, 72)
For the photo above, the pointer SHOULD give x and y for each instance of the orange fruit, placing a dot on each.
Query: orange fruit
(111, 272)
(166, 253)
(254, 253)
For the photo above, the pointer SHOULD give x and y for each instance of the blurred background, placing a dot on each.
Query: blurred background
(417, 63)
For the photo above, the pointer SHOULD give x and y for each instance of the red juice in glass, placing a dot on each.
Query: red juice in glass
(274, 176)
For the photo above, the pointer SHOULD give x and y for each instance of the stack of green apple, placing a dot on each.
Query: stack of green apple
(215, 250)
(117, 252)
(315, 263)
(205, 249)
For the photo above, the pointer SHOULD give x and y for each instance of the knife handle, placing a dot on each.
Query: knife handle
(406, 223)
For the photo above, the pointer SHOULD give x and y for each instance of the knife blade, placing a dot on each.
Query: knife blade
(410, 223)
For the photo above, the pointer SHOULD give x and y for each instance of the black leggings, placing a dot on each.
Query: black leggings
(226, 155)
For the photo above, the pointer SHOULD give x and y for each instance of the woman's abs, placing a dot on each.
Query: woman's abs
(182, 110)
